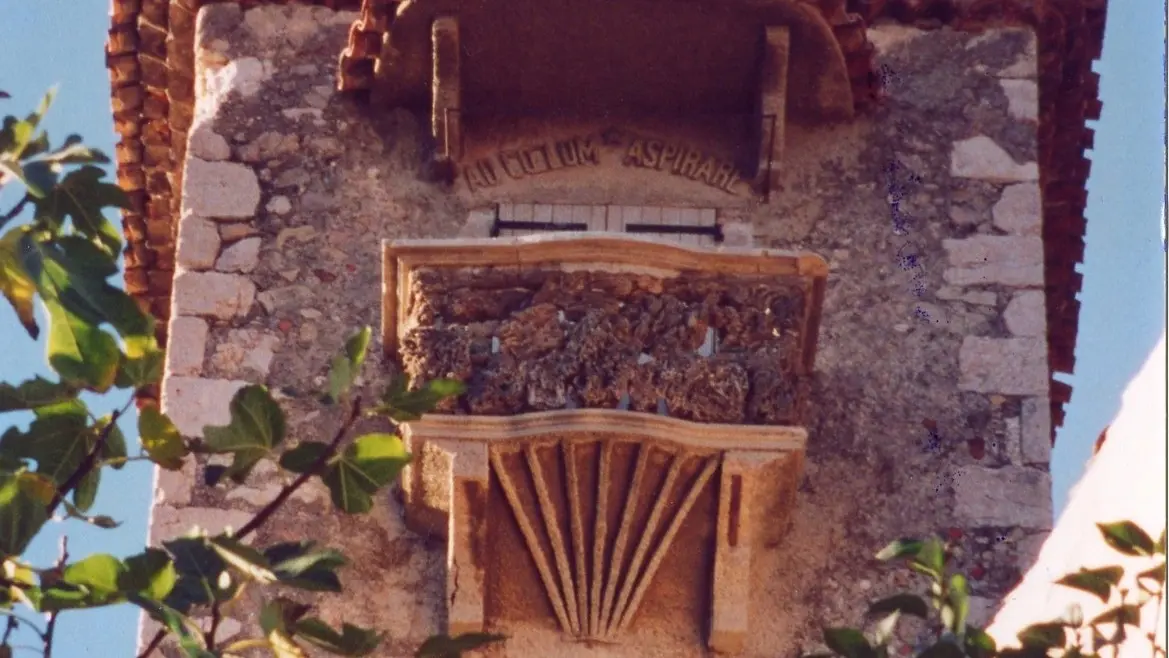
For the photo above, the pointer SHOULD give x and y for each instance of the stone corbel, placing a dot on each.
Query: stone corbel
(446, 90)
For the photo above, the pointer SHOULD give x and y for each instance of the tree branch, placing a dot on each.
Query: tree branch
(314, 469)
(153, 644)
(6, 217)
(52, 624)
(86, 464)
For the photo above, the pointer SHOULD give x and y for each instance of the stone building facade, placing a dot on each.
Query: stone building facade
(883, 262)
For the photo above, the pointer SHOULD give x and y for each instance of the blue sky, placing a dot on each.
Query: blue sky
(49, 42)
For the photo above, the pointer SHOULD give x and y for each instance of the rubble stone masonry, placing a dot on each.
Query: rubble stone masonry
(927, 411)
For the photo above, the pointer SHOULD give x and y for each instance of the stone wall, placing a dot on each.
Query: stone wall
(928, 409)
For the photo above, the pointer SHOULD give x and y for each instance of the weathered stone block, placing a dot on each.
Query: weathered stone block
(220, 189)
(188, 339)
(193, 403)
(1025, 315)
(981, 158)
(1019, 210)
(242, 256)
(1022, 98)
(1036, 430)
(985, 259)
(205, 144)
(212, 294)
(738, 234)
(173, 488)
(1009, 366)
(1008, 496)
(198, 243)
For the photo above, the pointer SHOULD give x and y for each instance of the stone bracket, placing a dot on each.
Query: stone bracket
(445, 124)
(598, 586)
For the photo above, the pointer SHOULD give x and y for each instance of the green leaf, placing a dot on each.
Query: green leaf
(1098, 582)
(21, 515)
(301, 458)
(191, 643)
(257, 426)
(445, 646)
(15, 284)
(346, 367)
(899, 549)
(297, 564)
(1127, 537)
(403, 405)
(98, 573)
(351, 641)
(368, 464)
(979, 644)
(141, 364)
(199, 569)
(161, 439)
(958, 603)
(244, 558)
(1160, 547)
(1156, 574)
(909, 604)
(100, 521)
(90, 583)
(931, 559)
(114, 448)
(848, 642)
(36, 392)
(58, 440)
(80, 352)
(1043, 636)
(13, 169)
(82, 196)
(1127, 614)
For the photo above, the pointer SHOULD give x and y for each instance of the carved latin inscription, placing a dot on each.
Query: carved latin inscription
(613, 148)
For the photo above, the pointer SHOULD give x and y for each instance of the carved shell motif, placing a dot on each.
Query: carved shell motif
(597, 532)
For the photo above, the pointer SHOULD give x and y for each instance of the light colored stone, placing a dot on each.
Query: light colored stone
(1007, 496)
(1013, 440)
(220, 189)
(174, 487)
(1022, 98)
(246, 351)
(1008, 366)
(981, 298)
(212, 294)
(981, 158)
(1005, 259)
(205, 144)
(1010, 275)
(256, 497)
(192, 402)
(738, 234)
(1036, 430)
(285, 298)
(1019, 210)
(240, 257)
(244, 76)
(188, 340)
(1025, 315)
(479, 223)
(949, 293)
(168, 523)
(198, 243)
(1026, 66)
(279, 205)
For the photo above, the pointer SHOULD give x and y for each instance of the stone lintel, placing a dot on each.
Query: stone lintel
(466, 546)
